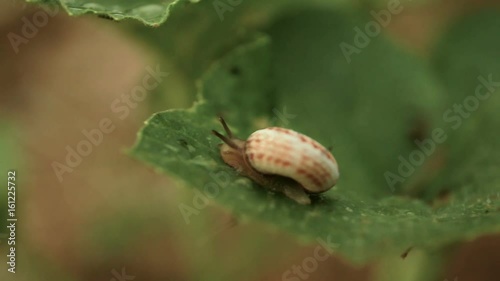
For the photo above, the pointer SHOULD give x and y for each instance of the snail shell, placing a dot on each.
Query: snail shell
(287, 153)
(281, 160)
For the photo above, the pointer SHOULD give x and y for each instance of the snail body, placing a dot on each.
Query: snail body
(281, 160)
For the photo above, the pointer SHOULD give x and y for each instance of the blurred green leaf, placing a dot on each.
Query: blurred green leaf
(191, 46)
(465, 58)
(9, 152)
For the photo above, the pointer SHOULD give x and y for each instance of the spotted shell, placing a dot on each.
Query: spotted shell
(291, 154)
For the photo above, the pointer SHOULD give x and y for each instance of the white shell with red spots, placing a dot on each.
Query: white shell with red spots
(291, 154)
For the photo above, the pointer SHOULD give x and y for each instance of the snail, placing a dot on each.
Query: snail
(281, 160)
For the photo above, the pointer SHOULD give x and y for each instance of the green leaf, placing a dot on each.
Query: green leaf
(150, 12)
(191, 46)
(464, 59)
(155, 12)
(365, 109)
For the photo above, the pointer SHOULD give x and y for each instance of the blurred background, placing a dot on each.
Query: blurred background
(112, 214)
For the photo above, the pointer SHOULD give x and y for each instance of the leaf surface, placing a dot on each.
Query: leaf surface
(365, 109)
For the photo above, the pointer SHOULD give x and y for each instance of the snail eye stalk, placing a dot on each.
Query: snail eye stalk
(225, 139)
(226, 128)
